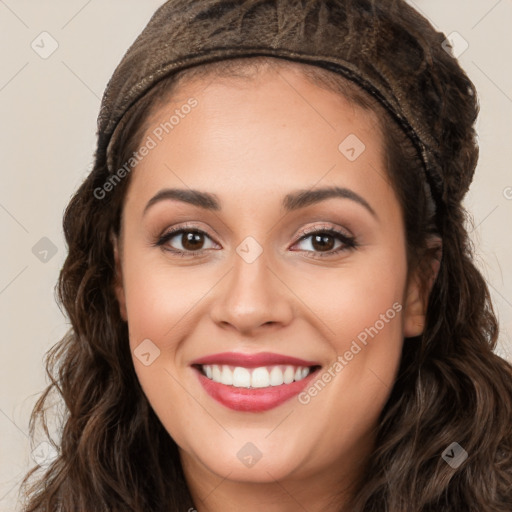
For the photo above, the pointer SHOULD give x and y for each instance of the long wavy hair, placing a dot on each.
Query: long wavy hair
(115, 455)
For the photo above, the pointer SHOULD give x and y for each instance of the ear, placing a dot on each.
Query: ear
(118, 282)
(419, 286)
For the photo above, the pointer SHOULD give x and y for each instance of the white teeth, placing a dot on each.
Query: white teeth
(261, 377)
(241, 377)
(276, 376)
(216, 375)
(289, 374)
(226, 377)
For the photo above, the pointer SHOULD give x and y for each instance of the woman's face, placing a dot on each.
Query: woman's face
(257, 167)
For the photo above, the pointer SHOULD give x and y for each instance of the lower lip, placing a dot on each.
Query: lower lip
(252, 399)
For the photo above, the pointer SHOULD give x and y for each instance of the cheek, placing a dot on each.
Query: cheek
(159, 298)
(360, 310)
(160, 301)
(353, 297)
(363, 315)
(354, 302)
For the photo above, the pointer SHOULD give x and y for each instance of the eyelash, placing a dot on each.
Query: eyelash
(347, 241)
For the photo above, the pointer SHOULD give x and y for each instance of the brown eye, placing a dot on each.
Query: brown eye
(322, 242)
(326, 242)
(319, 241)
(182, 241)
(192, 240)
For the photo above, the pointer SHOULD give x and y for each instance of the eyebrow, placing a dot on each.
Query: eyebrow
(291, 202)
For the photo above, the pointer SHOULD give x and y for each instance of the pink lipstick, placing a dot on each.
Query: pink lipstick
(253, 382)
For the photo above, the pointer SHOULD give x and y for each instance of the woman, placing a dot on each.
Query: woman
(270, 284)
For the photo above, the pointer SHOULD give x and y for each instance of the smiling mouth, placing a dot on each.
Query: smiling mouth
(259, 377)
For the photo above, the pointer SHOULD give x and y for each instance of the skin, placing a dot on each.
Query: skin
(251, 142)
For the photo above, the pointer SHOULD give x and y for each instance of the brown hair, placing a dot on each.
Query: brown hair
(115, 455)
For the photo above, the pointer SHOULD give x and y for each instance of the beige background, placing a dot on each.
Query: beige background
(48, 109)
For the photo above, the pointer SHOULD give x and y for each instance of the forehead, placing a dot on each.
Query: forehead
(275, 130)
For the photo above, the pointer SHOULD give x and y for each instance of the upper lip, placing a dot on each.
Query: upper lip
(252, 360)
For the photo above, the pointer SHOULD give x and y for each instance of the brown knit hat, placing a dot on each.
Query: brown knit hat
(385, 46)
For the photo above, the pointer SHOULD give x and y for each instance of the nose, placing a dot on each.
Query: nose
(252, 297)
